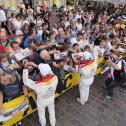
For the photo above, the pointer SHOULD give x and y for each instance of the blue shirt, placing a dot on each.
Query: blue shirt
(27, 41)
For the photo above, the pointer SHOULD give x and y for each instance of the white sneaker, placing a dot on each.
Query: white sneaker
(78, 100)
(19, 123)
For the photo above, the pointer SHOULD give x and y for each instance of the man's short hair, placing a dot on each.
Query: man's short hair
(79, 33)
(42, 52)
(44, 24)
(76, 44)
(11, 44)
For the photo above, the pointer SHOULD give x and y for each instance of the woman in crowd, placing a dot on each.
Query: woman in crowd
(39, 21)
(26, 31)
(11, 85)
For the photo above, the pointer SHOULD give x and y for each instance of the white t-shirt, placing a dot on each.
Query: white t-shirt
(2, 16)
(67, 24)
(39, 23)
(17, 24)
(79, 27)
(99, 50)
(73, 41)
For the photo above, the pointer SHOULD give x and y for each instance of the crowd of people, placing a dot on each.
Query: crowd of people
(28, 42)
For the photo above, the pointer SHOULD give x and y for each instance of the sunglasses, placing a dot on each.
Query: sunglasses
(20, 35)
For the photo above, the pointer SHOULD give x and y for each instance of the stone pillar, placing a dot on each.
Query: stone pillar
(50, 3)
(63, 2)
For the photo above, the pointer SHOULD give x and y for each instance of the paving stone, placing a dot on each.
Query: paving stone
(73, 122)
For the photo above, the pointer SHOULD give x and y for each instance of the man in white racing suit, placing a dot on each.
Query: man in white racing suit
(45, 90)
(87, 68)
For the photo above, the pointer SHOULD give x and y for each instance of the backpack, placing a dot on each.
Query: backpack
(123, 70)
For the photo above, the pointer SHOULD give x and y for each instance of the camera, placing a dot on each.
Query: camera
(106, 57)
(52, 47)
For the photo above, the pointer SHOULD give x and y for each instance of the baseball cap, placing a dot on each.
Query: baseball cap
(44, 69)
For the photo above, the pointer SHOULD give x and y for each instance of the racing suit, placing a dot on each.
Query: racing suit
(45, 90)
(87, 72)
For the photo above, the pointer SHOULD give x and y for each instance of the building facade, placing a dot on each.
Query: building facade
(50, 3)
(13, 3)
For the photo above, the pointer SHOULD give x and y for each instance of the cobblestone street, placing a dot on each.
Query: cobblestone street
(97, 112)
